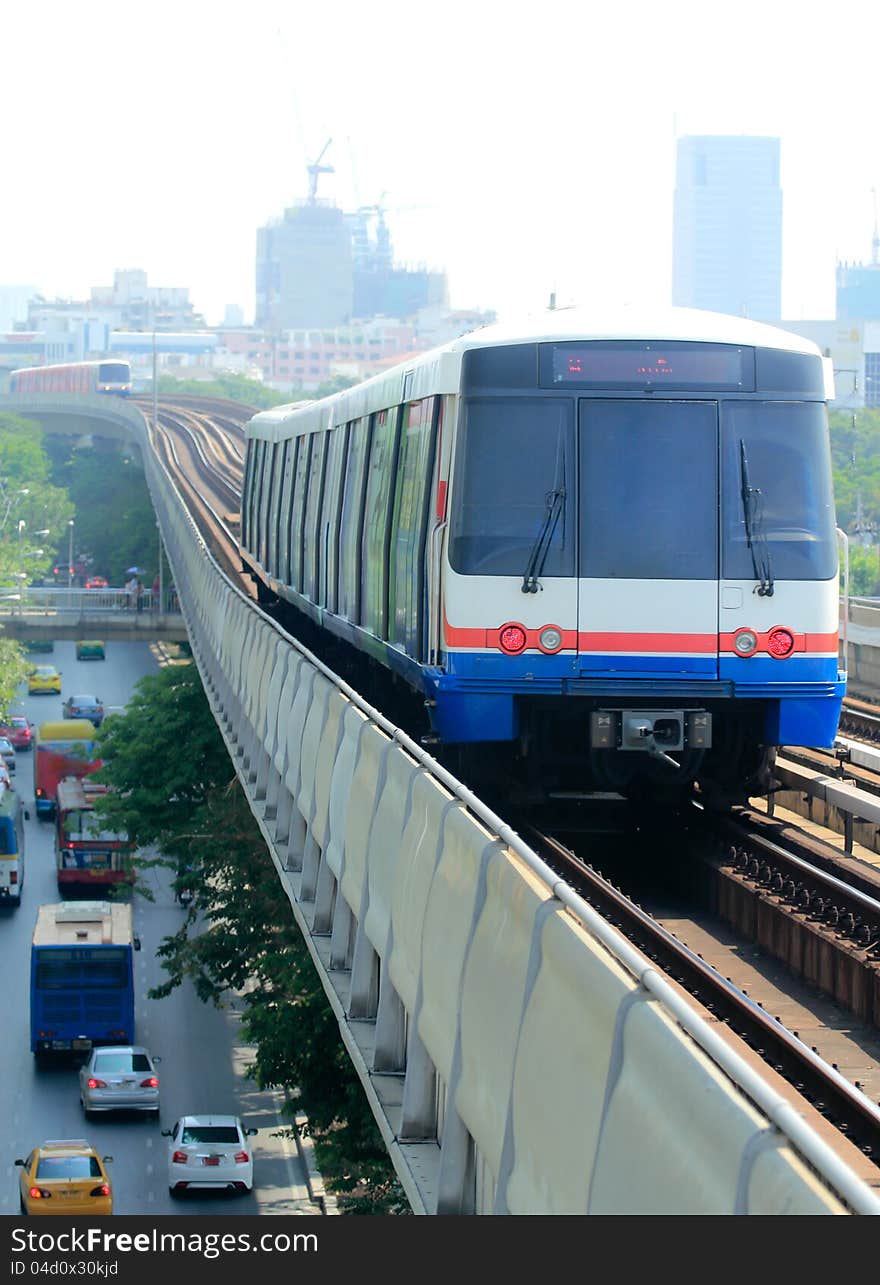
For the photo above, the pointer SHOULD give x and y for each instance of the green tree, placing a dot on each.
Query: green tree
(239, 933)
(28, 503)
(115, 521)
(29, 496)
(13, 671)
(864, 571)
(165, 759)
(250, 392)
(855, 458)
(229, 387)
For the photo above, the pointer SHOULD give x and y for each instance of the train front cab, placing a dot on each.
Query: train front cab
(667, 565)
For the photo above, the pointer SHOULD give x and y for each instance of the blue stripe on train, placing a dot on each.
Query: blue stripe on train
(763, 671)
(475, 698)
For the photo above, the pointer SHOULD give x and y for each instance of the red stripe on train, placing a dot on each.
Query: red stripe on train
(632, 643)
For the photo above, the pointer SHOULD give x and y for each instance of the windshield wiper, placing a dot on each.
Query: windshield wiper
(755, 538)
(543, 540)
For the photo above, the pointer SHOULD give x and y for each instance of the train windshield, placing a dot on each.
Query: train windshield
(648, 490)
(789, 478)
(635, 493)
(114, 372)
(515, 456)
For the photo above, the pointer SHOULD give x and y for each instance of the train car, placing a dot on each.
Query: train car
(74, 377)
(608, 544)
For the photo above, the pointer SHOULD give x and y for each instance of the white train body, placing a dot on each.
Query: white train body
(613, 537)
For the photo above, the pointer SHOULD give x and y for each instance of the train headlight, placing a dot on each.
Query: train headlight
(780, 642)
(745, 642)
(550, 638)
(512, 638)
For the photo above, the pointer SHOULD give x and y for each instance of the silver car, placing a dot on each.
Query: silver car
(119, 1078)
(7, 753)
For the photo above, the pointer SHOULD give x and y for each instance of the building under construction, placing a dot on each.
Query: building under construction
(318, 267)
(304, 269)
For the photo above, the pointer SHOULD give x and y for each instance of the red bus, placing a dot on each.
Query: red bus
(61, 749)
(87, 854)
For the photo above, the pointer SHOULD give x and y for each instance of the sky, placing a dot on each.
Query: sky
(524, 148)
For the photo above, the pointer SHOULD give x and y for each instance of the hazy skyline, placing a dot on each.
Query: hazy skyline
(521, 150)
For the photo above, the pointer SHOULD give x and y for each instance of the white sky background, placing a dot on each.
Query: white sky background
(522, 147)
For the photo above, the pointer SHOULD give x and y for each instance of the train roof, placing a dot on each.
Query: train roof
(439, 370)
(74, 365)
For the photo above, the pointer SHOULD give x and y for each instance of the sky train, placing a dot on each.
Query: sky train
(74, 377)
(607, 546)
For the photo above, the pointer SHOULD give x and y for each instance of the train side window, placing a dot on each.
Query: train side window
(409, 526)
(381, 473)
(297, 513)
(264, 508)
(261, 503)
(254, 505)
(314, 500)
(276, 454)
(330, 516)
(352, 512)
(284, 510)
(246, 486)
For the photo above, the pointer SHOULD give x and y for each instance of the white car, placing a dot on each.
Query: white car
(7, 753)
(209, 1151)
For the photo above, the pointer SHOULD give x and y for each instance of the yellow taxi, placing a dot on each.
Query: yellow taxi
(44, 678)
(66, 1177)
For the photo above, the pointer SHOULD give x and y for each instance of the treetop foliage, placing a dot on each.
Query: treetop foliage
(250, 392)
(115, 521)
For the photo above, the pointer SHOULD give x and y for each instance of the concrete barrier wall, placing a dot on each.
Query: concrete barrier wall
(519, 1055)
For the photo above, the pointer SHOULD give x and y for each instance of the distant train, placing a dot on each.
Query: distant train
(606, 544)
(74, 377)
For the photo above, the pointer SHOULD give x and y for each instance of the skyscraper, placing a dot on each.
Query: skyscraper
(727, 226)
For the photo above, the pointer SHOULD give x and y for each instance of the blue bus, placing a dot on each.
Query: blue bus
(82, 976)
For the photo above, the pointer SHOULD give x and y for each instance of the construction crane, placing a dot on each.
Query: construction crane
(315, 169)
(382, 255)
